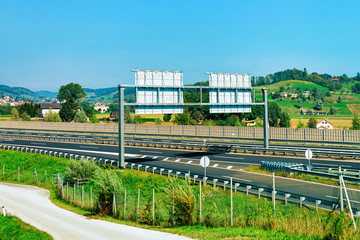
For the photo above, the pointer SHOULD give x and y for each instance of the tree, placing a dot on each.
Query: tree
(284, 120)
(70, 95)
(339, 100)
(300, 124)
(318, 105)
(80, 117)
(52, 116)
(25, 117)
(182, 119)
(332, 111)
(312, 123)
(356, 88)
(356, 123)
(274, 114)
(88, 109)
(167, 117)
(15, 114)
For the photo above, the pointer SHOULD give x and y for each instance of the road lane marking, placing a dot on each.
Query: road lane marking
(89, 147)
(149, 151)
(337, 198)
(240, 179)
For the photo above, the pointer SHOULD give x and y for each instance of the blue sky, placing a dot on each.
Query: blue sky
(45, 44)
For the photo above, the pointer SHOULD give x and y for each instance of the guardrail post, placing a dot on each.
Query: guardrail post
(132, 165)
(169, 172)
(259, 192)
(161, 170)
(301, 201)
(195, 177)
(214, 182)
(329, 170)
(146, 167)
(204, 180)
(287, 195)
(247, 189)
(3, 210)
(153, 169)
(139, 166)
(225, 182)
(177, 174)
(235, 186)
(317, 203)
(358, 214)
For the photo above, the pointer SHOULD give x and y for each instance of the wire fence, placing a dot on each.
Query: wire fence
(250, 133)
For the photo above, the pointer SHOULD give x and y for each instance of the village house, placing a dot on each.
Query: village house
(284, 95)
(55, 108)
(324, 124)
(306, 93)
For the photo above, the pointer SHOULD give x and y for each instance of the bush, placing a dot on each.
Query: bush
(109, 184)
(52, 117)
(81, 117)
(167, 117)
(25, 117)
(79, 169)
(181, 200)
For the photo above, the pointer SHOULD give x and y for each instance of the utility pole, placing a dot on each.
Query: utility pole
(265, 119)
(121, 127)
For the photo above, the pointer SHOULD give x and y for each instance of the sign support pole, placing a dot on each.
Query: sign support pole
(265, 119)
(121, 127)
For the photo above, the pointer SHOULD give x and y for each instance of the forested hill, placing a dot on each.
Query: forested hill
(326, 80)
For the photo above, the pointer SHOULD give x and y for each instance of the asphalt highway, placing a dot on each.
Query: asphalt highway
(222, 166)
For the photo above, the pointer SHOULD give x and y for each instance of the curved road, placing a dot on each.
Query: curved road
(32, 205)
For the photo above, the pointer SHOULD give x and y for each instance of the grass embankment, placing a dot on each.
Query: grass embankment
(253, 217)
(13, 228)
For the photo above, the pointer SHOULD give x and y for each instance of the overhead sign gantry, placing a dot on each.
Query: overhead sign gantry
(161, 92)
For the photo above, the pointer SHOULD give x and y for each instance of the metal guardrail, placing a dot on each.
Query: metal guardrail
(317, 153)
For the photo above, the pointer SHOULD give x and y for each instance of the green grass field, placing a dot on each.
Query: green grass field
(13, 228)
(347, 107)
(253, 217)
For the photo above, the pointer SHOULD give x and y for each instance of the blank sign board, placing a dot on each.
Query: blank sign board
(228, 90)
(160, 91)
(151, 78)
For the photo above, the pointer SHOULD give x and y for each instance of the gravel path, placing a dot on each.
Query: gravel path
(32, 205)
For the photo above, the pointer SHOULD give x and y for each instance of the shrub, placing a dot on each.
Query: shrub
(79, 169)
(109, 184)
(181, 200)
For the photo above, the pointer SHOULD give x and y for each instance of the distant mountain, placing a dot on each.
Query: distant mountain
(108, 95)
(46, 94)
(18, 92)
